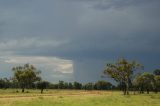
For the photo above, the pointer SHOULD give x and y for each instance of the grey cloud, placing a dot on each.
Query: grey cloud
(98, 26)
(38, 18)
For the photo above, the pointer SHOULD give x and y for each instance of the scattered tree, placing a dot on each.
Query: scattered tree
(26, 75)
(77, 85)
(122, 72)
(89, 86)
(70, 85)
(103, 85)
(61, 85)
(144, 81)
(42, 85)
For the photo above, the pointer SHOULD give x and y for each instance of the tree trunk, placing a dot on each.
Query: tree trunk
(22, 90)
(124, 92)
(127, 88)
(141, 90)
(147, 91)
(123, 87)
(41, 91)
(134, 91)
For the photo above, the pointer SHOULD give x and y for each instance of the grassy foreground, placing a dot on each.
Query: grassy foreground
(76, 98)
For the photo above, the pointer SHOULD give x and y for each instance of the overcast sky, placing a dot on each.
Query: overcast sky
(72, 40)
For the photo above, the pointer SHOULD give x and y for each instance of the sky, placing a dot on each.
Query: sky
(73, 40)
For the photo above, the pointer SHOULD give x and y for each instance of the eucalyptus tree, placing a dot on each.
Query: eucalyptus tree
(122, 72)
(26, 75)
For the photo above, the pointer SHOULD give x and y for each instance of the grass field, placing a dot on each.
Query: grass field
(76, 98)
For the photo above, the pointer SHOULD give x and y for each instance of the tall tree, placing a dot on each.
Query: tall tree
(122, 72)
(26, 75)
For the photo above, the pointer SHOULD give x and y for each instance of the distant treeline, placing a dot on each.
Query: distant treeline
(100, 85)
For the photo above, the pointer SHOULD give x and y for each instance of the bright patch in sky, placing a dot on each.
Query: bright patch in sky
(51, 63)
(52, 68)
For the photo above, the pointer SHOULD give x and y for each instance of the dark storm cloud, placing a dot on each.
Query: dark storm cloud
(88, 32)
